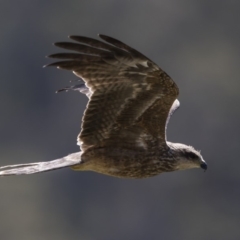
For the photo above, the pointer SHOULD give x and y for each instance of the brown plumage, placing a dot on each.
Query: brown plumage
(123, 130)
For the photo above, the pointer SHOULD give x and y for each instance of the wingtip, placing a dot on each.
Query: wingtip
(101, 35)
(73, 36)
(48, 56)
(51, 65)
(61, 90)
(47, 65)
(56, 44)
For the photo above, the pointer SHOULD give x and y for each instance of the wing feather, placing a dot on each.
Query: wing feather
(131, 96)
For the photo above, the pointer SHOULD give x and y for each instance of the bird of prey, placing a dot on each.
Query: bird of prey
(123, 131)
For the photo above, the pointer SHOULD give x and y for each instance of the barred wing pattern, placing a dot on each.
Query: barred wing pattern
(130, 96)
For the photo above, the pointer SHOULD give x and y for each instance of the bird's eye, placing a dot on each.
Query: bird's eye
(191, 155)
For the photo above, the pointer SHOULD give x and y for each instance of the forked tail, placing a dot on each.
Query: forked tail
(30, 168)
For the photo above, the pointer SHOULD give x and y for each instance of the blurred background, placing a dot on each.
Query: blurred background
(197, 43)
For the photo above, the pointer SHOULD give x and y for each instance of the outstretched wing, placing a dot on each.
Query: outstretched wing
(130, 96)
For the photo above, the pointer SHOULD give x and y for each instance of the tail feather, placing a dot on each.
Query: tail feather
(30, 168)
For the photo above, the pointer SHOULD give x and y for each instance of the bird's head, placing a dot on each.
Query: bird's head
(187, 157)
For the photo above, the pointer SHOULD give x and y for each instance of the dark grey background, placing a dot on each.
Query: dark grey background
(198, 43)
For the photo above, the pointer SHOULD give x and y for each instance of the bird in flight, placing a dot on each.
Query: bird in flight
(123, 131)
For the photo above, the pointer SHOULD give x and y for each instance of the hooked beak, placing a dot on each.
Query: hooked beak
(204, 166)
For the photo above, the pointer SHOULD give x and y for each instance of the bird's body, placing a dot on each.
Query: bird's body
(124, 125)
(126, 163)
